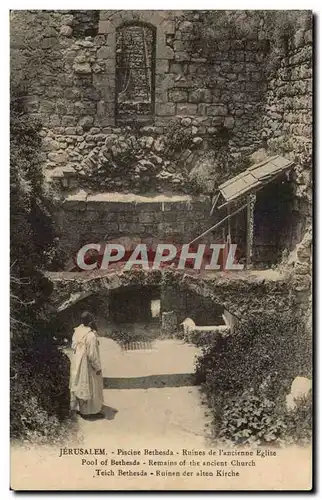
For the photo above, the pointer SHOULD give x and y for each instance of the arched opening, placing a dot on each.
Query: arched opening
(133, 304)
(125, 314)
(135, 73)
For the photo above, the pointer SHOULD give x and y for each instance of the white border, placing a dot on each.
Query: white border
(4, 197)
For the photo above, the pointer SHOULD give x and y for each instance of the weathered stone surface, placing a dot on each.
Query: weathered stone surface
(49, 144)
(165, 109)
(169, 323)
(186, 121)
(66, 31)
(217, 110)
(58, 157)
(229, 122)
(186, 109)
(178, 95)
(200, 95)
(82, 68)
(86, 122)
(230, 93)
(104, 53)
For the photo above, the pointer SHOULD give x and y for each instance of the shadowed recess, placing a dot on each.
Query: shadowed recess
(150, 381)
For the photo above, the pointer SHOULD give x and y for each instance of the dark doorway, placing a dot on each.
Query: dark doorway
(134, 316)
(272, 222)
(133, 304)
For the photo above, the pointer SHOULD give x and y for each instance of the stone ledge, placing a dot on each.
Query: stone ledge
(116, 202)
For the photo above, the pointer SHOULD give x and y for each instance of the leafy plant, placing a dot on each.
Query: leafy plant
(299, 421)
(177, 138)
(247, 375)
(265, 344)
(39, 371)
(250, 419)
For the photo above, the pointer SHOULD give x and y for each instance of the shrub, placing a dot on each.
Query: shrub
(250, 419)
(177, 138)
(253, 419)
(264, 344)
(247, 375)
(207, 173)
(39, 387)
(299, 421)
(39, 371)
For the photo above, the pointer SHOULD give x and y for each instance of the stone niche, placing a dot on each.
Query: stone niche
(140, 91)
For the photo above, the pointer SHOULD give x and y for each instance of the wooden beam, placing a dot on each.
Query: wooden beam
(251, 199)
(228, 227)
(218, 224)
(214, 204)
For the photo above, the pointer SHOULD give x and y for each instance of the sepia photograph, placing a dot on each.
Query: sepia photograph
(161, 192)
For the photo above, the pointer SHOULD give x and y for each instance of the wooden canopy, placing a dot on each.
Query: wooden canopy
(252, 179)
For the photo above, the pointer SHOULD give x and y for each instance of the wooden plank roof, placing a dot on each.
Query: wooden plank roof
(254, 177)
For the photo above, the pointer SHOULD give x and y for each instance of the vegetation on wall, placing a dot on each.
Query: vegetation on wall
(272, 25)
(141, 160)
(39, 371)
(274, 28)
(247, 376)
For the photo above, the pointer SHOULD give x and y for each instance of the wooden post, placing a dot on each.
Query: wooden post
(251, 199)
(228, 226)
(218, 224)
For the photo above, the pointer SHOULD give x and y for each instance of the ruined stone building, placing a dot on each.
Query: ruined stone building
(146, 113)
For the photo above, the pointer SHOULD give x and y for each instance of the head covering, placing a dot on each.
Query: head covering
(87, 319)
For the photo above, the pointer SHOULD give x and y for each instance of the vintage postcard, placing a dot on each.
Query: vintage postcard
(161, 250)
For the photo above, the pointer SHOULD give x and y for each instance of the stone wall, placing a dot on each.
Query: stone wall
(71, 82)
(287, 129)
(87, 219)
(288, 115)
(239, 294)
(229, 93)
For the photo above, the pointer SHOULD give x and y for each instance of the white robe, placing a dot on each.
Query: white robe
(85, 386)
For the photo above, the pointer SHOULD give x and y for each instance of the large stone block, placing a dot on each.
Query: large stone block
(186, 26)
(109, 217)
(105, 52)
(58, 157)
(187, 109)
(215, 110)
(183, 55)
(161, 66)
(178, 95)
(163, 51)
(133, 228)
(200, 95)
(168, 27)
(169, 323)
(164, 82)
(105, 27)
(148, 207)
(49, 144)
(66, 31)
(74, 205)
(86, 122)
(110, 228)
(150, 217)
(82, 68)
(102, 202)
(165, 109)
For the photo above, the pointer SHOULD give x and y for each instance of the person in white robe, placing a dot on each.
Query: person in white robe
(86, 381)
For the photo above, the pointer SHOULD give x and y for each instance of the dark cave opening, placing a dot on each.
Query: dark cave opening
(273, 220)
